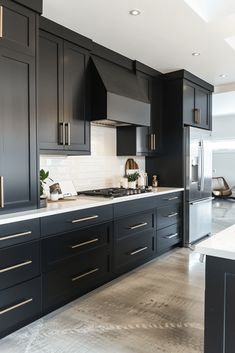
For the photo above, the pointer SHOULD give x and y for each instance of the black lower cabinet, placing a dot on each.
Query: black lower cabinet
(134, 250)
(75, 277)
(20, 305)
(219, 305)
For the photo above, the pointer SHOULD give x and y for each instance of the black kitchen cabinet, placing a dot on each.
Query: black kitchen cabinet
(18, 131)
(196, 106)
(63, 109)
(192, 98)
(144, 141)
(17, 27)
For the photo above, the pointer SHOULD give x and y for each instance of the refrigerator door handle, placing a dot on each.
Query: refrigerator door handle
(202, 166)
(199, 166)
(203, 200)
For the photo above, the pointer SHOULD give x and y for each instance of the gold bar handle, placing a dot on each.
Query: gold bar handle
(1, 21)
(197, 116)
(15, 235)
(154, 142)
(171, 236)
(171, 198)
(138, 251)
(84, 243)
(85, 274)
(138, 225)
(84, 219)
(68, 134)
(172, 215)
(1, 192)
(16, 266)
(4, 311)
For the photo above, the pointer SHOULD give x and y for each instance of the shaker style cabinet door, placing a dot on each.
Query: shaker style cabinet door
(17, 27)
(75, 94)
(63, 117)
(50, 92)
(18, 183)
(196, 106)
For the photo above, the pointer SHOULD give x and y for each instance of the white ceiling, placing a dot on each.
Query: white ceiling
(163, 36)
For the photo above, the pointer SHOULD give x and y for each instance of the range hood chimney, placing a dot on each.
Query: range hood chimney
(117, 97)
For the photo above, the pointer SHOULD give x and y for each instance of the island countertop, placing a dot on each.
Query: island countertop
(81, 202)
(221, 244)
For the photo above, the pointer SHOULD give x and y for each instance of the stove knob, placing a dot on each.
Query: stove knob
(127, 192)
(139, 191)
(135, 191)
(131, 191)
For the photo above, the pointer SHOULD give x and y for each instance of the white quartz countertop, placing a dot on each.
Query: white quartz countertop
(81, 202)
(221, 244)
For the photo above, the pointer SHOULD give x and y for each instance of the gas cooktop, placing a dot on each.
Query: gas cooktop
(113, 192)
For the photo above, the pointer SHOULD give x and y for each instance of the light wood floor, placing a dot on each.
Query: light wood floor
(157, 308)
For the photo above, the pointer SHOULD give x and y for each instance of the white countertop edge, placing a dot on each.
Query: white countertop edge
(221, 244)
(86, 202)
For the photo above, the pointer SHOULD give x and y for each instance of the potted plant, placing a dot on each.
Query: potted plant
(132, 179)
(43, 198)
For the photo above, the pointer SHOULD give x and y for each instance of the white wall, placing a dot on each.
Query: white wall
(99, 170)
(224, 147)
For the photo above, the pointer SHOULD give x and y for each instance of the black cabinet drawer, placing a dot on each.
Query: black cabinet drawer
(133, 224)
(71, 244)
(168, 215)
(121, 209)
(133, 248)
(168, 199)
(75, 220)
(19, 263)
(19, 232)
(17, 27)
(168, 237)
(19, 305)
(76, 277)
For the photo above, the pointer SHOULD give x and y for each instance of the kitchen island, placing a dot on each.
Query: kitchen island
(219, 291)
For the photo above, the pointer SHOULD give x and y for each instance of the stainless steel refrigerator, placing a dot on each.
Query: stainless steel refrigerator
(198, 178)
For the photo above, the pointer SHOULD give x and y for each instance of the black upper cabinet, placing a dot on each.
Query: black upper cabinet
(63, 115)
(17, 27)
(76, 115)
(18, 187)
(50, 91)
(192, 97)
(196, 106)
(145, 141)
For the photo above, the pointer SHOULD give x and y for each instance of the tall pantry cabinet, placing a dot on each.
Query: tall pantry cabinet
(18, 172)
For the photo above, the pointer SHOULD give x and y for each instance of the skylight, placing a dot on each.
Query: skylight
(210, 10)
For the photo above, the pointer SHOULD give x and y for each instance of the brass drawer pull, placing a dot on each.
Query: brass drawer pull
(172, 215)
(84, 219)
(1, 22)
(16, 266)
(85, 274)
(85, 243)
(171, 198)
(171, 236)
(138, 225)
(15, 235)
(139, 250)
(4, 311)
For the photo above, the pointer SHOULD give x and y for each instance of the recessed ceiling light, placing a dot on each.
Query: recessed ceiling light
(134, 12)
(196, 53)
(223, 75)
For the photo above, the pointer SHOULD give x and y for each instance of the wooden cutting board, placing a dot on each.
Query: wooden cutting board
(131, 164)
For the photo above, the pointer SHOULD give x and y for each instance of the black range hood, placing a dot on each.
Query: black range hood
(117, 97)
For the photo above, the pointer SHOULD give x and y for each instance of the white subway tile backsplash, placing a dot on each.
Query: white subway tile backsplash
(101, 169)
